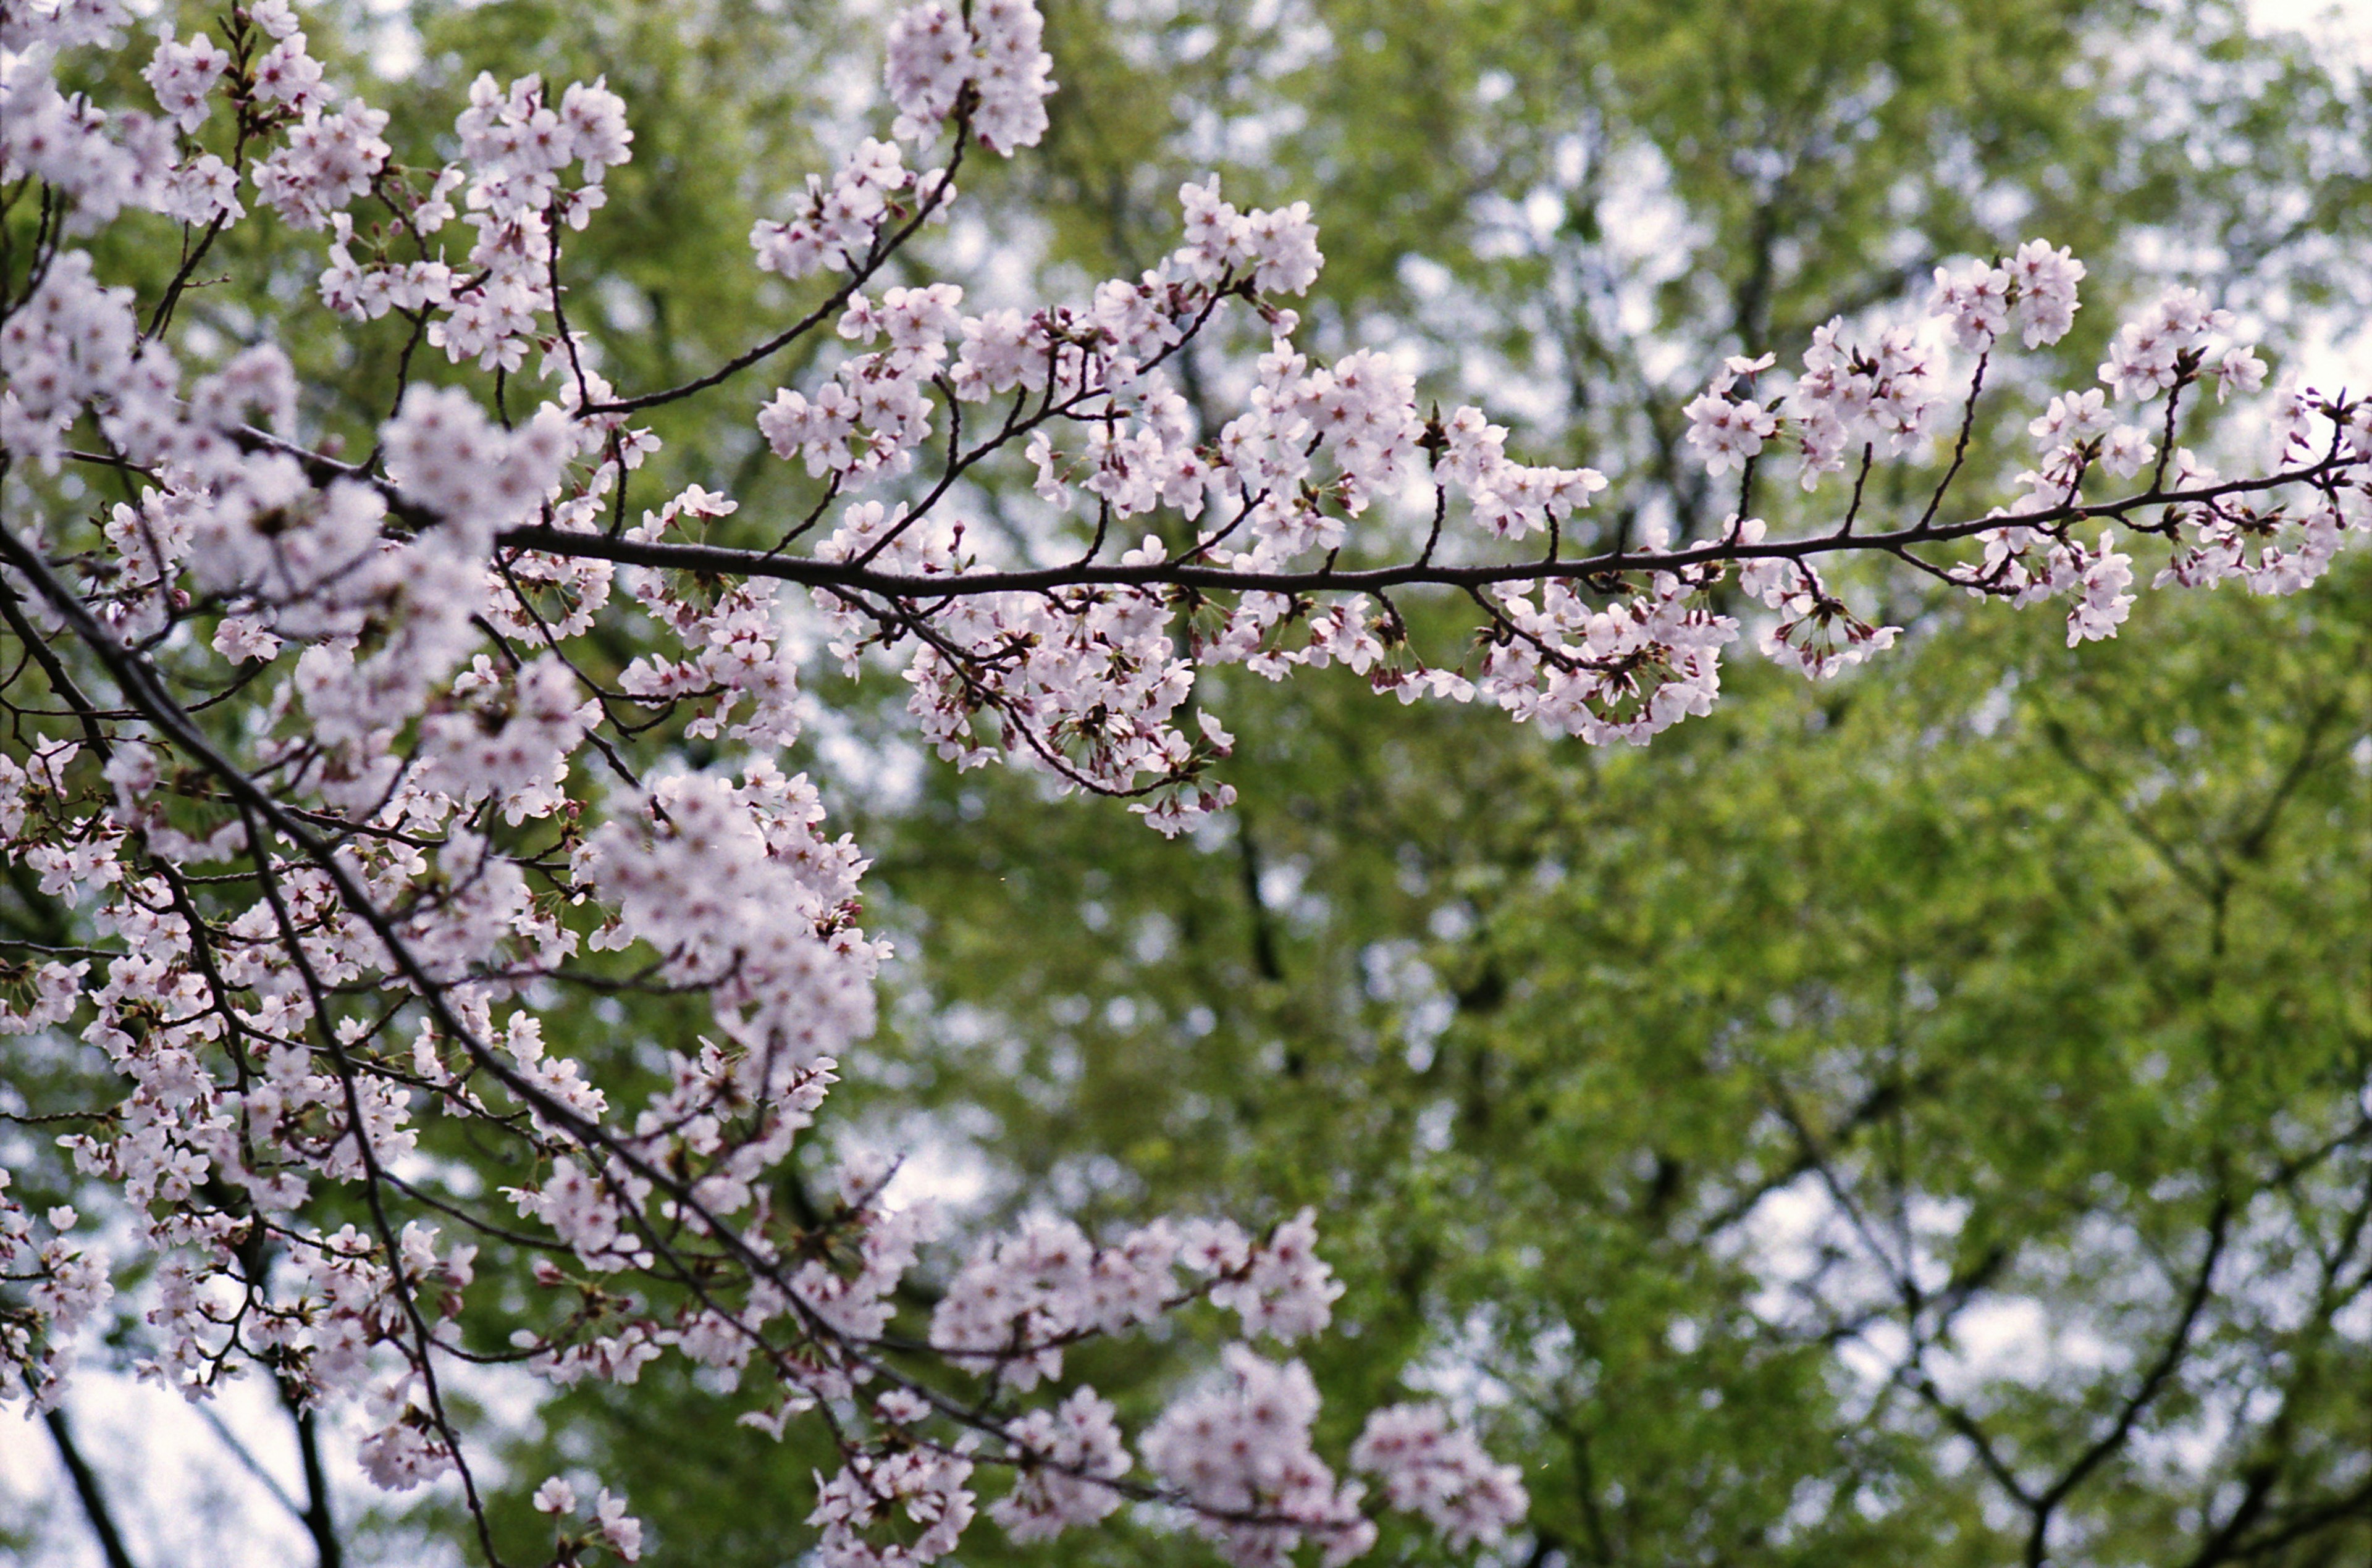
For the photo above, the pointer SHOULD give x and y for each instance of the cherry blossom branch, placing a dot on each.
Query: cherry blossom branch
(818, 573)
(423, 647)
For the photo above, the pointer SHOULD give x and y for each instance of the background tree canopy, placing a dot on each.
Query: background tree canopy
(1925, 1117)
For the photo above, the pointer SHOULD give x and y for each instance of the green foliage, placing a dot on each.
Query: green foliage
(2034, 963)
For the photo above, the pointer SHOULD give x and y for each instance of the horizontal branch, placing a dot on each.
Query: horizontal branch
(726, 561)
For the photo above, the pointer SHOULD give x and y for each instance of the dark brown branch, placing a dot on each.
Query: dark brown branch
(726, 561)
(2152, 1383)
(941, 192)
(328, 1550)
(87, 1488)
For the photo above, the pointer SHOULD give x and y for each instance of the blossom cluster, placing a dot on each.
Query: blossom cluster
(989, 51)
(358, 782)
(1241, 1448)
(1884, 398)
(1012, 1308)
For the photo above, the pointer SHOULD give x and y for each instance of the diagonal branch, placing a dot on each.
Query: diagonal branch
(87, 1488)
